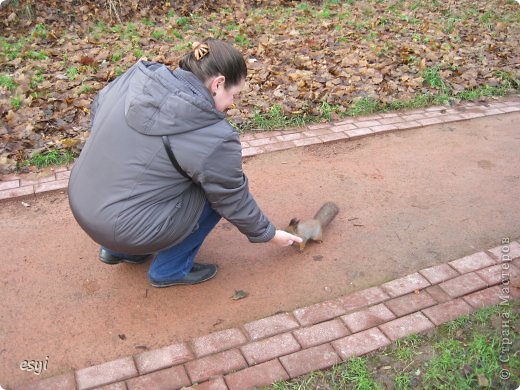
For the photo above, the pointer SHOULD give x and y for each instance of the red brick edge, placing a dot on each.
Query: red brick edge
(254, 143)
(291, 344)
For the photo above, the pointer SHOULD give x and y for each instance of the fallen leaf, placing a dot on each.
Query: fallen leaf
(86, 60)
(70, 142)
(239, 294)
(482, 380)
(422, 64)
(10, 117)
(25, 204)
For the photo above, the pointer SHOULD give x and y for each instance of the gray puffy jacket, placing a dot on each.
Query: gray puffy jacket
(124, 191)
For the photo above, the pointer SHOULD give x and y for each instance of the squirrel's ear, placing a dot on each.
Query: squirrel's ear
(294, 222)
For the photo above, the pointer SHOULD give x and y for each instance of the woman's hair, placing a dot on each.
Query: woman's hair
(212, 57)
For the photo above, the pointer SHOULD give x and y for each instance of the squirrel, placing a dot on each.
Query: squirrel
(312, 229)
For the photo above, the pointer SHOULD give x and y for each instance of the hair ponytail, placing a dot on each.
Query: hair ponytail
(212, 57)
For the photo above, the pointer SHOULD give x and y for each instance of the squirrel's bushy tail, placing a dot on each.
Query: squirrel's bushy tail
(327, 213)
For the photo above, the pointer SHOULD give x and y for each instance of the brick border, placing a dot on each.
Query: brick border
(291, 344)
(260, 142)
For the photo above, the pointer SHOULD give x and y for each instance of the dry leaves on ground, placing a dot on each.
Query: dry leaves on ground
(302, 56)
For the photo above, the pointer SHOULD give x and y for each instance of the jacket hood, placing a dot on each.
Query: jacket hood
(164, 102)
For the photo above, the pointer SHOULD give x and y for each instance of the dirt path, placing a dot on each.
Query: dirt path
(408, 200)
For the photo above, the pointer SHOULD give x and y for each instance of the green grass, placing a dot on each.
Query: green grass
(241, 40)
(275, 118)
(364, 106)
(325, 13)
(182, 46)
(37, 79)
(159, 35)
(510, 81)
(404, 348)
(16, 102)
(86, 88)
(450, 24)
(232, 27)
(12, 50)
(328, 111)
(467, 353)
(353, 374)
(433, 79)
(117, 28)
(72, 72)
(51, 158)
(118, 71)
(7, 82)
(117, 56)
(304, 6)
(36, 55)
(488, 19)
(462, 365)
(402, 382)
(101, 26)
(138, 52)
(39, 31)
(453, 326)
(177, 34)
(130, 32)
(147, 22)
(182, 21)
(357, 374)
(449, 355)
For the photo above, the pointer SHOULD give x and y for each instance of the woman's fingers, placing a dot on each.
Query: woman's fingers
(283, 238)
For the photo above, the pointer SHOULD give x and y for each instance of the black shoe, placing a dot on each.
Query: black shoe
(108, 258)
(199, 273)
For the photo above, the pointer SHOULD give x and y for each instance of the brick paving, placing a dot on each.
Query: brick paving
(368, 318)
(287, 345)
(156, 359)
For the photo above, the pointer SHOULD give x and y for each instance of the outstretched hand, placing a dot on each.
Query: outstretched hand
(282, 238)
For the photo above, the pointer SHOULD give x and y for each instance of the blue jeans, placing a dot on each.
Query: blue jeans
(176, 262)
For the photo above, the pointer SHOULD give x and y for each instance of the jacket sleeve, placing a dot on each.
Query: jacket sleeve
(226, 188)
